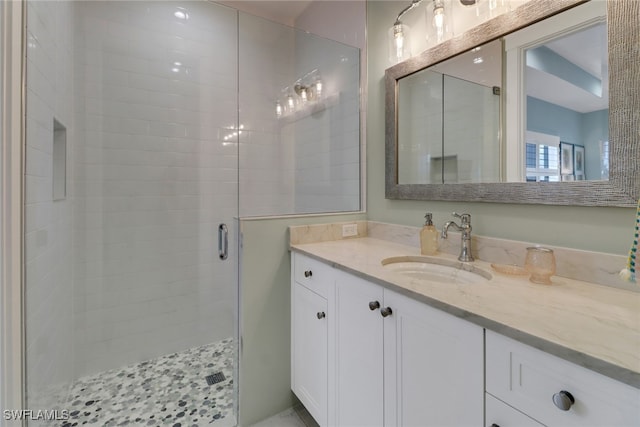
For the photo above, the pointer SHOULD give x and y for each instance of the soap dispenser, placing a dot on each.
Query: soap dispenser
(428, 237)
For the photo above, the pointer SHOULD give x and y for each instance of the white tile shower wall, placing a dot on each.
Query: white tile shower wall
(48, 226)
(154, 177)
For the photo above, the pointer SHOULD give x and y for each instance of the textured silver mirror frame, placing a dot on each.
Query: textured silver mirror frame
(623, 187)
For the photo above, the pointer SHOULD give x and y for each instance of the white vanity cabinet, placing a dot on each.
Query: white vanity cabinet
(554, 391)
(311, 288)
(392, 361)
(364, 355)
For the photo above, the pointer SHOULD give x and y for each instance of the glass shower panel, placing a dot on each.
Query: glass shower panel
(299, 119)
(420, 118)
(131, 312)
(471, 132)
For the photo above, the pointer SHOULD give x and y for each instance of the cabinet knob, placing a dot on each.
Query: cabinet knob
(374, 305)
(563, 400)
(386, 312)
(321, 315)
(308, 273)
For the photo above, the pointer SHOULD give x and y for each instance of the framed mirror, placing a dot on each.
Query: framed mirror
(457, 135)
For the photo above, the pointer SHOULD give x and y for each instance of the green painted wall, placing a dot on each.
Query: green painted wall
(595, 229)
(265, 265)
(265, 271)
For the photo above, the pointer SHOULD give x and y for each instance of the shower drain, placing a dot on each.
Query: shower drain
(215, 378)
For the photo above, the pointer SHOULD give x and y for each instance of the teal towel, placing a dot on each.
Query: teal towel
(629, 273)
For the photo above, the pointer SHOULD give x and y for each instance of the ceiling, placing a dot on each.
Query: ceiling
(586, 49)
(282, 11)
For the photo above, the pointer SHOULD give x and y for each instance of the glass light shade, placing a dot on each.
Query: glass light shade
(487, 9)
(439, 22)
(399, 46)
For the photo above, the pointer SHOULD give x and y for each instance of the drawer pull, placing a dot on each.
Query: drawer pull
(374, 305)
(494, 425)
(386, 312)
(308, 273)
(563, 400)
(321, 315)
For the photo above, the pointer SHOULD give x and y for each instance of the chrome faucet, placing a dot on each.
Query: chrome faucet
(465, 229)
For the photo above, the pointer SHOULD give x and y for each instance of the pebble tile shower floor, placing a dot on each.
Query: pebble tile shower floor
(170, 390)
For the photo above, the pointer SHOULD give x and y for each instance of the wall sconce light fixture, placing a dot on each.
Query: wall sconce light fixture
(439, 29)
(307, 89)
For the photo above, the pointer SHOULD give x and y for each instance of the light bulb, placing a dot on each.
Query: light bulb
(438, 21)
(399, 46)
(438, 18)
(318, 88)
(303, 94)
(399, 42)
(290, 103)
(398, 36)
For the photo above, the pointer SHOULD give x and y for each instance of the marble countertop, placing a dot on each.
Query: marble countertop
(593, 326)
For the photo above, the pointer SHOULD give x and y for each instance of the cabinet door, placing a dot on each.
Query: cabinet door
(309, 369)
(434, 366)
(359, 353)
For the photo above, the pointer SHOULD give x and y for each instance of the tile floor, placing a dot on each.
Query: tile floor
(170, 390)
(293, 417)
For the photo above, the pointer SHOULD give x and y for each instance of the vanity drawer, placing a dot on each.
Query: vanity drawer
(313, 274)
(528, 379)
(499, 414)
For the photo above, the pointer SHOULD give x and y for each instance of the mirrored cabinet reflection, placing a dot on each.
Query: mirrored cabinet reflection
(529, 107)
(449, 115)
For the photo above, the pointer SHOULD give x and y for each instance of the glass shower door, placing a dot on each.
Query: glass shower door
(131, 168)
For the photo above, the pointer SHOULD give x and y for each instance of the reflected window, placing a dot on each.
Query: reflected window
(604, 159)
(542, 156)
(542, 163)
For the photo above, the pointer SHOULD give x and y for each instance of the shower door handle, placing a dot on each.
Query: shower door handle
(223, 241)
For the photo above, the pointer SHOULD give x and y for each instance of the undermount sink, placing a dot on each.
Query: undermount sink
(436, 269)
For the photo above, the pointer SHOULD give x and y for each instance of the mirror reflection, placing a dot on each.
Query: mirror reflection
(545, 118)
(449, 120)
(567, 108)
